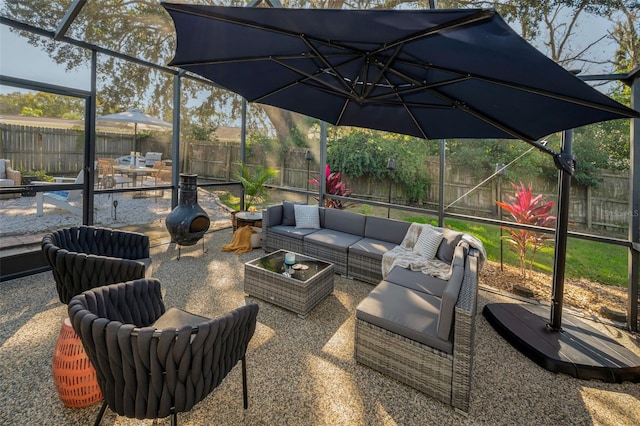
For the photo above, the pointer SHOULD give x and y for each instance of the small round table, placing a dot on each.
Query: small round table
(246, 218)
(253, 220)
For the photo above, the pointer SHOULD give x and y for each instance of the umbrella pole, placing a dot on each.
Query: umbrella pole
(566, 163)
(135, 135)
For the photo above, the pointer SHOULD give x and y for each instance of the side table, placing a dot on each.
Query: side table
(255, 221)
(73, 374)
(245, 218)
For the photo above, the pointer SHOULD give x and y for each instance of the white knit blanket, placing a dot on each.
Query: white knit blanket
(405, 257)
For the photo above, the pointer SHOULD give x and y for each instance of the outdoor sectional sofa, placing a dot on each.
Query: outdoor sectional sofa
(414, 327)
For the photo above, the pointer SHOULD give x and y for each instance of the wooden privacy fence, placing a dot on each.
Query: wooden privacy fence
(60, 152)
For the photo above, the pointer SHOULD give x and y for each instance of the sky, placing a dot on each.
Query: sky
(20, 59)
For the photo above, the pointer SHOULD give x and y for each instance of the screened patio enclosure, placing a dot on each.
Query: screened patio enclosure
(70, 24)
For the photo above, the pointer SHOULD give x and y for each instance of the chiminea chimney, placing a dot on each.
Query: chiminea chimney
(188, 222)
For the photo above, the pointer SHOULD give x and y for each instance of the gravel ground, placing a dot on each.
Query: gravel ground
(18, 215)
(300, 371)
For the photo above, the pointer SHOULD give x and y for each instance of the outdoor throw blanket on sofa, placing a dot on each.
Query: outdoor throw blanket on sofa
(406, 256)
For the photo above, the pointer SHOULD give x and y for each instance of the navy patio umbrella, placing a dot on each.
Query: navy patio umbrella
(433, 74)
(139, 120)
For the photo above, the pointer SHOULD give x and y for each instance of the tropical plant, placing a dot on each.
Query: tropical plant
(526, 209)
(253, 183)
(334, 186)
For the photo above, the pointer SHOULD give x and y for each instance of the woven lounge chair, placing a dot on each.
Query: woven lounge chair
(85, 257)
(153, 363)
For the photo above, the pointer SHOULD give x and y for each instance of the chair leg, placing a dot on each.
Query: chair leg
(245, 396)
(101, 413)
(174, 419)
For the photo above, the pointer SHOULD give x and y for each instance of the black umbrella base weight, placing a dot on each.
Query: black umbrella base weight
(578, 350)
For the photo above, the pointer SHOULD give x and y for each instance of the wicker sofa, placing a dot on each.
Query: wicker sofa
(420, 330)
(412, 326)
(353, 242)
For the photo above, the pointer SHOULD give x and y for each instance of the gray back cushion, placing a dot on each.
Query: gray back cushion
(450, 240)
(288, 213)
(274, 215)
(390, 230)
(344, 221)
(451, 292)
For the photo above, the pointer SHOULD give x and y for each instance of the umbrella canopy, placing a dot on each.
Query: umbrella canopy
(137, 119)
(431, 74)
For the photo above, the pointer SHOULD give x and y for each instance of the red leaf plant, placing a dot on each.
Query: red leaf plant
(528, 209)
(333, 185)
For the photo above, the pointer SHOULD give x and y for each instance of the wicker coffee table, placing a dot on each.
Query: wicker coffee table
(264, 278)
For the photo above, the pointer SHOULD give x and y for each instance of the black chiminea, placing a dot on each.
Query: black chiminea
(188, 222)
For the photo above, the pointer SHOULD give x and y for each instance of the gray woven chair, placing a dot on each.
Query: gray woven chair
(85, 257)
(151, 363)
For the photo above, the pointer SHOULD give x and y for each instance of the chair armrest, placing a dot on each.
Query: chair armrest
(64, 179)
(464, 333)
(14, 175)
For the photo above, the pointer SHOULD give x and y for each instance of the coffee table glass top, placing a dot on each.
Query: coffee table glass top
(305, 267)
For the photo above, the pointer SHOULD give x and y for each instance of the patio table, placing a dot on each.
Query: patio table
(134, 172)
(310, 283)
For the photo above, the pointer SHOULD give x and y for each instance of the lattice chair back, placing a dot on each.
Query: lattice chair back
(85, 257)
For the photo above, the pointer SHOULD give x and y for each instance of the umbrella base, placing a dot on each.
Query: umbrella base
(578, 349)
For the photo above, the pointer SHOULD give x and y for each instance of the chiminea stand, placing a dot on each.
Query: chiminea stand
(204, 250)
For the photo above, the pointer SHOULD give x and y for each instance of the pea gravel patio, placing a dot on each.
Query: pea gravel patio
(300, 371)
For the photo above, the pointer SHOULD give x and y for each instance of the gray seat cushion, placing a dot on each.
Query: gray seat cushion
(372, 248)
(178, 318)
(292, 231)
(402, 311)
(390, 230)
(337, 240)
(416, 280)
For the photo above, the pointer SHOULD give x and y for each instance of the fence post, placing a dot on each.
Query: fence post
(589, 213)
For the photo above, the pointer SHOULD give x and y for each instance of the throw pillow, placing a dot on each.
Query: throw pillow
(288, 213)
(450, 240)
(3, 172)
(307, 216)
(428, 242)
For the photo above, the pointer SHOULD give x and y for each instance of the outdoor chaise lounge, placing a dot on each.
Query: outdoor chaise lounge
(61, 199)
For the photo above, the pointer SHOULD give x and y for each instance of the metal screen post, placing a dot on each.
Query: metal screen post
(634, 217)
(562, 227)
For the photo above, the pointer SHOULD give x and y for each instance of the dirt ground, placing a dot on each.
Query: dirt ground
(585, 295)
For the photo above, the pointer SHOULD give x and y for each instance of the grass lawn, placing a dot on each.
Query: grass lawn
(603, 263)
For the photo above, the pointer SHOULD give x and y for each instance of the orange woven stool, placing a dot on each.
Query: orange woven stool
(73, 374)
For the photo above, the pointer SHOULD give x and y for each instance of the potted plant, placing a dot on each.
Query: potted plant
(253, 183)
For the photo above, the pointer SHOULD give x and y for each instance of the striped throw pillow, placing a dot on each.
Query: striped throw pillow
(428, 242)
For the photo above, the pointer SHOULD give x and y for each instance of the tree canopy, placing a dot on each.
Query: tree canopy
(140, 28)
